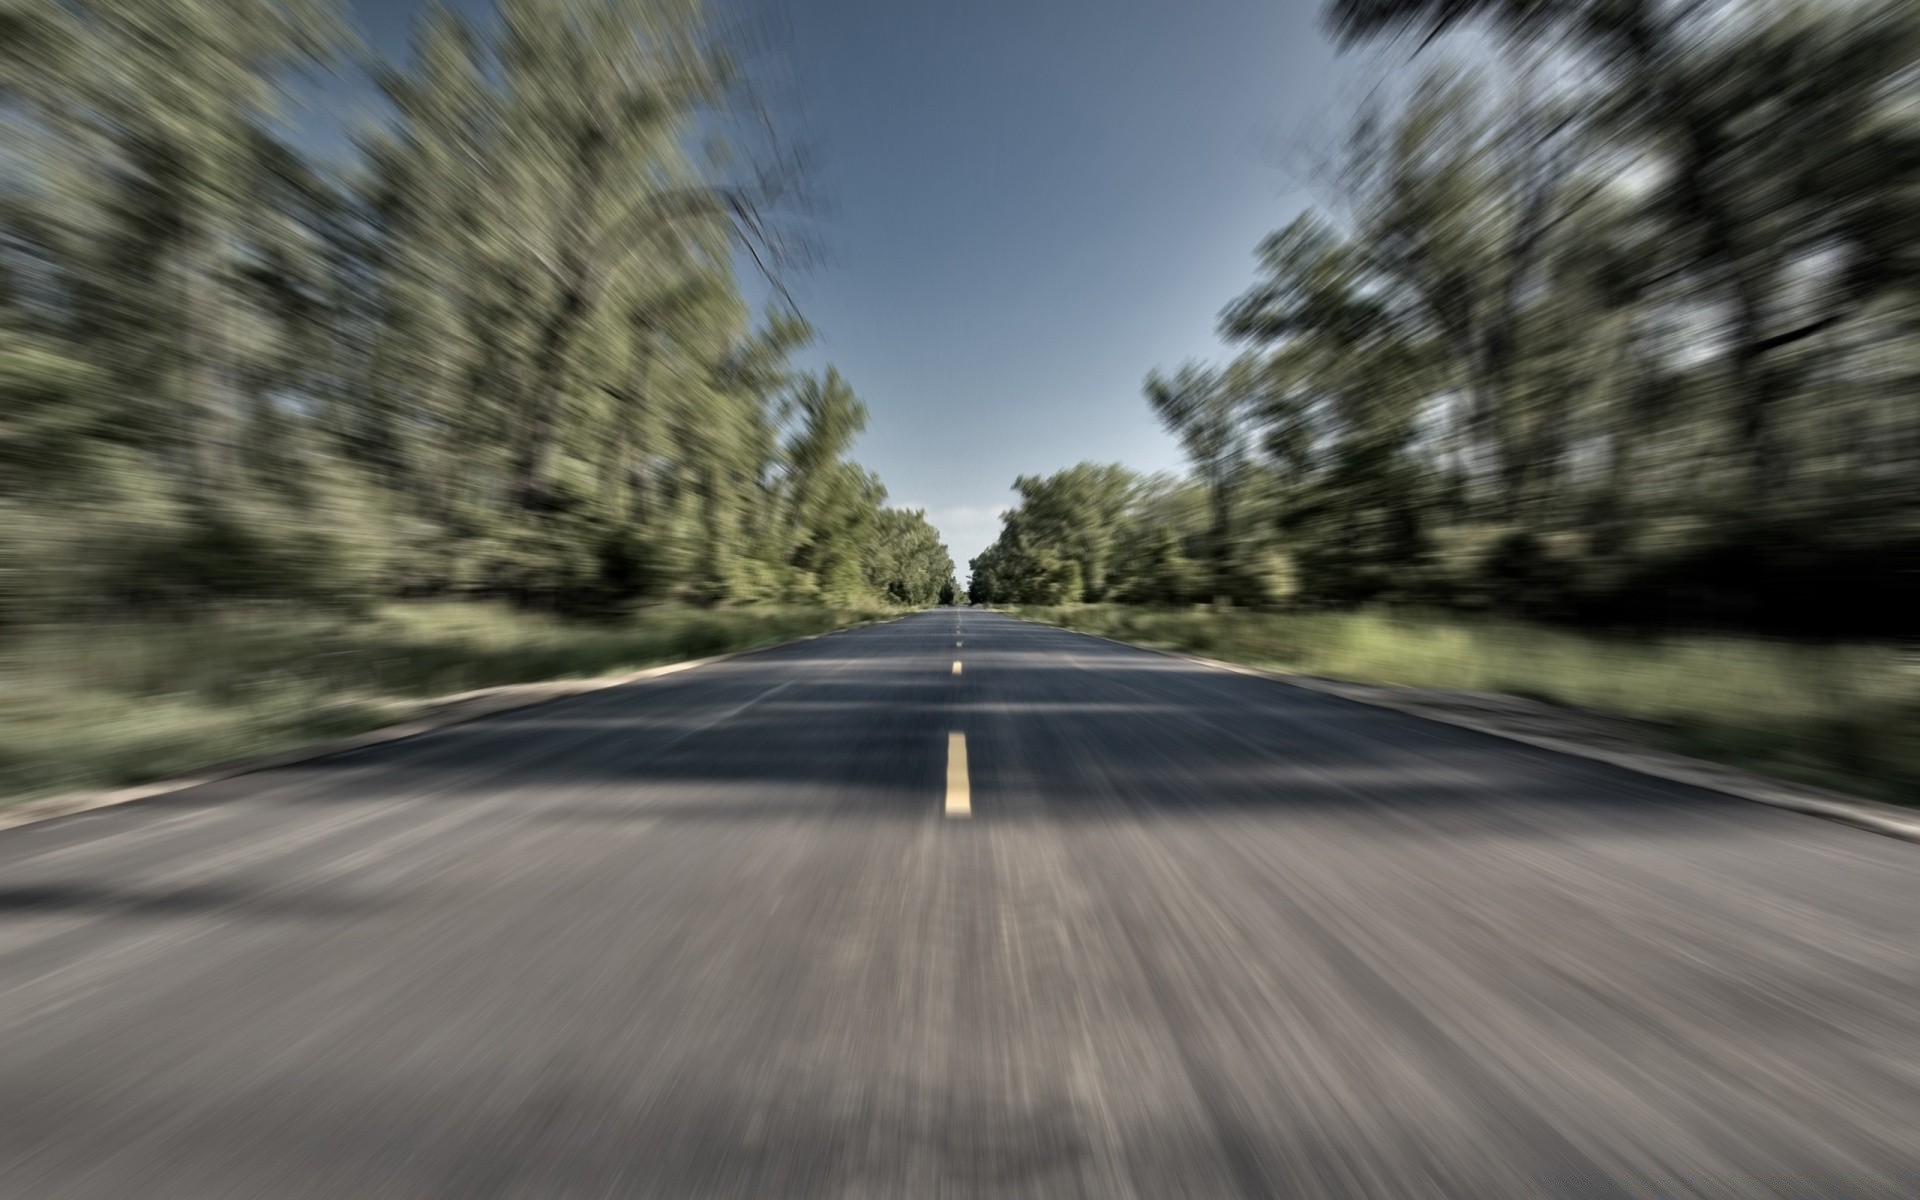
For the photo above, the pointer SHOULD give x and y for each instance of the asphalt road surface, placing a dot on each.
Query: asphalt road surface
(729, 933)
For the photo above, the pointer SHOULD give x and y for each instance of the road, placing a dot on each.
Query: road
(727, 933)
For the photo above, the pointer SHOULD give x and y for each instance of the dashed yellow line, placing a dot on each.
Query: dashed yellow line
(959, 791)
(956, 666)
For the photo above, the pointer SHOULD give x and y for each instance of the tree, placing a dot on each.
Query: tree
(908, 564)
(1609, 315)
(1077, 514)
(502, 353)
(1208, 410)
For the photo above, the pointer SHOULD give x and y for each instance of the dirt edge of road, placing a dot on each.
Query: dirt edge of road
(1575, 733)
(436, 713)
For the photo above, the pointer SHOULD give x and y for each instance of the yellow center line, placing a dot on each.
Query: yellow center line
(956, 667)
(959, 791)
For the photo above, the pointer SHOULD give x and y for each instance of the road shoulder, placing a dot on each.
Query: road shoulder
(434, 714)
(1562, 731)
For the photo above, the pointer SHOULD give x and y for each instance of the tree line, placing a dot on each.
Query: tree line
(500, 349)
(1609, 311)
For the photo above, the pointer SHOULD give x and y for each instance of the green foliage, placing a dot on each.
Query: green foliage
(1612, 316)
(502, 353)
(909, 565)
(1633, 344)
(248, 399)
(1086, 534)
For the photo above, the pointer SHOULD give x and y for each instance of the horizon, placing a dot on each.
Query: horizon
(1144, 185)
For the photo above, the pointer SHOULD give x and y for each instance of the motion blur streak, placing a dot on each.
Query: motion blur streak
(1592, 369)
(255, 406)
(1608, 311)
(1607, 314)
(1205, 935)
(505, 353)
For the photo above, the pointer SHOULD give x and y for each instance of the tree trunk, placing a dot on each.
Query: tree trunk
(533, 472)
(577, 280)
(212, 403)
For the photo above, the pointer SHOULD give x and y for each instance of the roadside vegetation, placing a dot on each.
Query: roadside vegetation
(1607, 314)
(500, 351)
(289, 441)
(1839, 716)
(122, 703)
(1590, 375)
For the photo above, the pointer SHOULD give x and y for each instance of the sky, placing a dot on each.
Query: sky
(1026, 206)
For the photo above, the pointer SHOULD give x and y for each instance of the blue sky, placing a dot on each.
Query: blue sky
(1030, 204)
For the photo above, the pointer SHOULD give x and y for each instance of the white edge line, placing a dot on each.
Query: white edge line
(1696, 773)
(464, 706)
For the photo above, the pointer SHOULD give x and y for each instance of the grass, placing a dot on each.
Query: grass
(1840, 716)
(113, 705)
